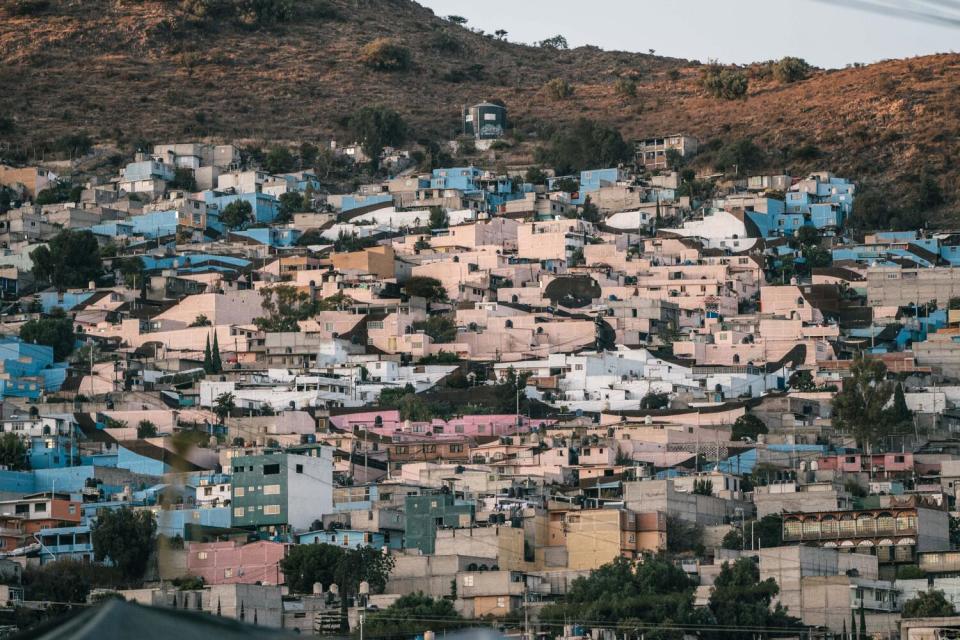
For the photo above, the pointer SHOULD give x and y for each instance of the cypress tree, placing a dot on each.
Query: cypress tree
(207, 359)
(215, 356)
(863, 624)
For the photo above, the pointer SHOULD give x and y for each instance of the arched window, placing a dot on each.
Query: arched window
(736, 358)
(508, 324)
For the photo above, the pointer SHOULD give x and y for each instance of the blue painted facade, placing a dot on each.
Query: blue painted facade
(271, 236)
(351, 539)
(264, 206)
(349, 203)
(50, 452)
(173, 522)
(29, 368)
(127, 459)
(62, 543)
(50, 300)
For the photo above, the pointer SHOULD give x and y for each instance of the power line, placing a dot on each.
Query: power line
(904, 9)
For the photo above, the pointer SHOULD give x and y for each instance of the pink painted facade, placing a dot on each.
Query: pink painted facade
(232, 563)
(884, 463)
(471, 426)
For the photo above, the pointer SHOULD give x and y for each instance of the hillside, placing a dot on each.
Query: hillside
(125, 70)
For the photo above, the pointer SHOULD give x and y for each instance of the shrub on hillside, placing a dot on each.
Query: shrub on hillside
(558, 89)
(625, 88)
(384, 54)
(721, 82)
(790, 69)
(28, 7)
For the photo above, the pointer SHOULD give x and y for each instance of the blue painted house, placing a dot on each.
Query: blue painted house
(352, 538)
(29, 368)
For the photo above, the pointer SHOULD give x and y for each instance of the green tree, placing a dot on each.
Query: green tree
(790, 69)
(414, 408)
(126, 538)
(817, 257)
(236, 214)
(285, 306)
(215, 360)
(802, 380)
(131, 269)
(747, 425)
(201, 321)
(329, 564)
(859, 407)
(625, 88)
(683, 536)
(652, 591)
(291, 202)
(183, 179)
(767, 532)
(413, 614)
(589, 211)
(207, 356)
(66, 580)
(535, 175)
(929, 194)
(280, 160)
(146, 429)
(376, 127)
(56, 331)
(13, 452)
(438, 218)
(928, 604)
(70, 259)
(585, 144)
(441, 329)
(425, 287)
(60, 191)
(741, 599)
(724, 82)
(741, 155)
(655, 400)
(223, 405)
(556, 42)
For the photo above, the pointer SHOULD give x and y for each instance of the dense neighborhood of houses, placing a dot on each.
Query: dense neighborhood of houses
(477, 390)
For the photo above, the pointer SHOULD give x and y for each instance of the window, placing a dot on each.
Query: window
(501, 602)
(202, 555)
(271, 510)
(228, 572)
(456, 448)
(238, 492)
(271, 469)
(299, 468)
(271, 489)
(40, 507)
(238, 512)
(468, 581)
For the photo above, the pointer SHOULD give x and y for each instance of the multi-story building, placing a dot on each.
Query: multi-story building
(280, 491)
(651, 153)
(426, 514)
(895, 532)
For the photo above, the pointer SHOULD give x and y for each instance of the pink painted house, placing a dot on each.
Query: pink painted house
(880, 463)
(388, 423)
(233, 563)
